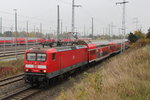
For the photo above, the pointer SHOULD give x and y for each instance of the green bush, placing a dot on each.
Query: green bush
(132, 38)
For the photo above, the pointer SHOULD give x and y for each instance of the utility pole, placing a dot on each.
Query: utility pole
(92, 28)
(140, 27)
(106, 35)
(1, 27)
(119, 30)
(84, 31)
(4, 41)
(136, 21)
(11, 29)
(38, 30)
(123, 18)
(16, 48)
(109, 32)
(27, 36)
(66, 29)
(1, 31)
(121, 37)
(72, 30)
(112, 29)
(58, 23)
(41, 28)
(34, 34)
(34, 29)
(61, 27)
(103, 31)
(73, 17)
(50, 30)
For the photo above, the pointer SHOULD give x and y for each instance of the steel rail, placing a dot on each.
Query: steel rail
(11, 79)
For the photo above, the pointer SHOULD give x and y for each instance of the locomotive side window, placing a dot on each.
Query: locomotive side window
(41, 57)
(31, 56)
(92, 52)
(53, 56)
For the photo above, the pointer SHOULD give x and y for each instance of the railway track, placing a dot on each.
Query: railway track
(17, 94)
(19, 47)
(20, 94)
(11, 79)
(11, 53)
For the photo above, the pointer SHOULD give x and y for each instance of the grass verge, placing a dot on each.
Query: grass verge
(123, 77)
(8, 68)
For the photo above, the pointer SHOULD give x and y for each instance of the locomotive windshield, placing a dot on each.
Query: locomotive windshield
(41, 57)
(36, 57)
(31, 57)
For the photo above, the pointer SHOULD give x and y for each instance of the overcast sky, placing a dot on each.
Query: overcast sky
(104, 13)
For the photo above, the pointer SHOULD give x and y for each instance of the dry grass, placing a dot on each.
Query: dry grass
(8, 68)
(141, 43)
(124, 77)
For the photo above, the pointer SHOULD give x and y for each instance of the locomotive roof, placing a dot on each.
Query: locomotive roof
(37, 50)
(57, 49)
(66, 48)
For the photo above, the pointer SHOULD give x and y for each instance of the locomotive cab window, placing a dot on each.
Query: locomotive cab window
(41, 57)
(53, 56)
(36, 57)
(31, 56)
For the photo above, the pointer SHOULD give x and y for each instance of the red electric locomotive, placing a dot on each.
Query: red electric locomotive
(42, 65)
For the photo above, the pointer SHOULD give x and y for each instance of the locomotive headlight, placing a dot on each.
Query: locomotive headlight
(44, 71)
(27, 70)
(29, 66)
(42, 66)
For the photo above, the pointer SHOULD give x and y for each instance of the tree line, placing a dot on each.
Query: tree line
(133, 37)
(21, 34)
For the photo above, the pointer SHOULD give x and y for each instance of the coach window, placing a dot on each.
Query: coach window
(53, 56)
